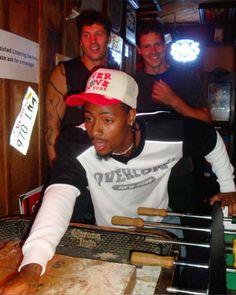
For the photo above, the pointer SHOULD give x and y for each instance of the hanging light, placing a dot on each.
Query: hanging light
(185, 50)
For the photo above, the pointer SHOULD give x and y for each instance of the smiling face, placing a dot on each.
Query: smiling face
(152, 49)
(94, 40)
(109, 127)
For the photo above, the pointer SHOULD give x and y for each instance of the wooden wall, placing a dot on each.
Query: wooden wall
(42, 22)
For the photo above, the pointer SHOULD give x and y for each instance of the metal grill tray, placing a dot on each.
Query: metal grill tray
(94, 242)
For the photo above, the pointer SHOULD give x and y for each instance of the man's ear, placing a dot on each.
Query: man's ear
(139, 51)
(132, 116)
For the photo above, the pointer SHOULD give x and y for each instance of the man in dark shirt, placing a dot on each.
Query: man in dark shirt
(165, 87)
(70, 77)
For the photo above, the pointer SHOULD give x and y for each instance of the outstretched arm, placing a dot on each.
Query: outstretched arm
(224, 171)
(55, 108)
(162, 93)
(49, 226)
(221, 166)
(23, 283)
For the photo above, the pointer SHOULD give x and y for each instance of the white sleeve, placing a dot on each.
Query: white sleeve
(221, 166)
(50, 224)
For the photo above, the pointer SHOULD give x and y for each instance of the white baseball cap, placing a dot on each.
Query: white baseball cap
(107, 87)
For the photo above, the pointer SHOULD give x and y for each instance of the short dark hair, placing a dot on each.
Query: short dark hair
(89, 17)
(146, 27)
(126, 107)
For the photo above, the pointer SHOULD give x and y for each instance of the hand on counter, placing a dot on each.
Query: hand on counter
(24, 282)
(226, 199)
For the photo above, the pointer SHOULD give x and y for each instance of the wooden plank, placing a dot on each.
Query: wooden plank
(72, 275)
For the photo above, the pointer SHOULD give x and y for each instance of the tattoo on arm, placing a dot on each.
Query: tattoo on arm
(49, 135)
(54, 113)
(54, 86)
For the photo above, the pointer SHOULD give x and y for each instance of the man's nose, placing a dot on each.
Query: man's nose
(93, 38)
(96, 129)
(154, 49)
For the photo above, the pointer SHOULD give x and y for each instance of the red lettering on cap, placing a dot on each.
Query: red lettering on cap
(98, 82)
(105, 83)
(99, 75)
(107, 76)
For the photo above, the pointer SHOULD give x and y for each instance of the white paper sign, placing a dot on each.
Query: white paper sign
(21, 132)
(19, 58)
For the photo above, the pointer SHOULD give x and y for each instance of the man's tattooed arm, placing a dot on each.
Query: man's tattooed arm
(55, 109)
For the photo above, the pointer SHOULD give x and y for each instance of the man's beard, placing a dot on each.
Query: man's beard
(104, 157)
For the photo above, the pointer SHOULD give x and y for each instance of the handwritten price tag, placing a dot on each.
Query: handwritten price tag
(21, 132)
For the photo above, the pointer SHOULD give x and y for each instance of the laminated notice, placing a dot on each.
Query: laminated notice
(22, 130)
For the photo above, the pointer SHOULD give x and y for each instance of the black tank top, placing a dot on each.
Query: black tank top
(76, 77)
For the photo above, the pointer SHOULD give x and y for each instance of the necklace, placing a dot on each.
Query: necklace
(124, 152)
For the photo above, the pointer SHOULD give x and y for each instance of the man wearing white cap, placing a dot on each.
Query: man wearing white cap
(124, 160)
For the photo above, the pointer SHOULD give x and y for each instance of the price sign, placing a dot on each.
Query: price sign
(21, 132)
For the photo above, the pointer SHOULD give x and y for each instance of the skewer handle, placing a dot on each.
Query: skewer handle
(140, 258)
(127, 221)
(152, 211)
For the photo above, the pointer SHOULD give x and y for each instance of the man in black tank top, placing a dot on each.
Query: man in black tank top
(70, 77)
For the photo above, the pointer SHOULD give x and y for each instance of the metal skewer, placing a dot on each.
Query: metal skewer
(186, 291)
(163, 212)
(139, 222)
(141, 258)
